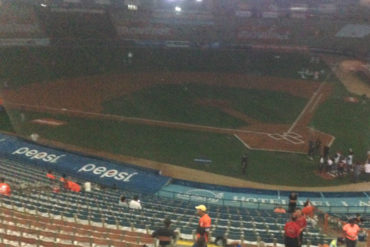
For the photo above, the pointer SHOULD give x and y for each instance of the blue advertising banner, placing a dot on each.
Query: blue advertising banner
(104, 172)
(349, 202)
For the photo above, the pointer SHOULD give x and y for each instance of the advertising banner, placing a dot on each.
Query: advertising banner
(104, 172)
(263, 199)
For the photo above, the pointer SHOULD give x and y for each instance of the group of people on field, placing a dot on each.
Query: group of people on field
(341, 164)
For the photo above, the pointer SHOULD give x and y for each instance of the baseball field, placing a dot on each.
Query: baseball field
(197, 109)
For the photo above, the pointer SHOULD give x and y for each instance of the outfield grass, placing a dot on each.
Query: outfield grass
(23, 65)
(178, 103)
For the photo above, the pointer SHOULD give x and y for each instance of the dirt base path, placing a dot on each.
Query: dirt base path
(344, 69)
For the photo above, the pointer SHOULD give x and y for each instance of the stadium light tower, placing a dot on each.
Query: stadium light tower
(178, 9)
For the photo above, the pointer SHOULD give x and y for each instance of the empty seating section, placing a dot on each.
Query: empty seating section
(18, 22)
(38, 214)
(346, 216)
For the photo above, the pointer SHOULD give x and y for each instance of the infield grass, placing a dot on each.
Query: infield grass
(178, 103)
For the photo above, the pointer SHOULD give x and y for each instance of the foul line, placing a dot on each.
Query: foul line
(313, 97)
(331, 141)
(266, 149)
(140, 120)
(315, 103)
(244, 143)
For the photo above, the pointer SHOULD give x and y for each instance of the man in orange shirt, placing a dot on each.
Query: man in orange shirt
(204, 225)
(4, 188)
(72, 186)
(350, 231)
(279, 210)
(62, 179)
(50, 175)
(308, 210)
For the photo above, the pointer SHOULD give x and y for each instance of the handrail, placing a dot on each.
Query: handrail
(256, 204)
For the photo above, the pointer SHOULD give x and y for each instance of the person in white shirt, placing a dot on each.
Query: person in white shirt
(367, 170)
(321, 164)
(330, 165)
(135, 203)
(337, 158)
(350, 161)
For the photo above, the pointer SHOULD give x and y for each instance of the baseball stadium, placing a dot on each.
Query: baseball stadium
(119, 116)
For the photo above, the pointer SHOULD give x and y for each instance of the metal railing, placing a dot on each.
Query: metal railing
(256, 204)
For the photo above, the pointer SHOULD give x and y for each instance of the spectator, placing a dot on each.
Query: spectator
(336, 242)
(362, 235)
(302, 223)
(279, 210)
(122, 201)
(4, 188)
(55, 186)
(200, 242)
(308, 210)
(50, 175)
(135, 203)
(292, 202)
(291, 233)
(62, 178)
(307, 203)
(350, 231)
(72, 186)
(203, 227)
(359, 220)
(165, 235)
